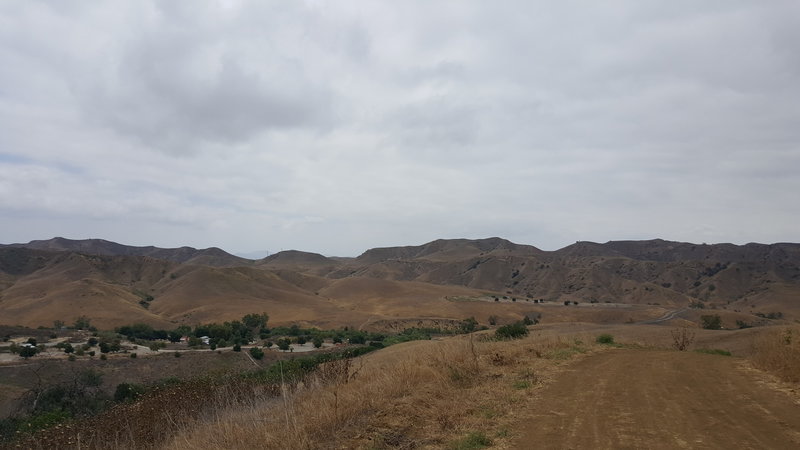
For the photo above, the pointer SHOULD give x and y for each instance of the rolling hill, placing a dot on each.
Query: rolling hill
(113, 284)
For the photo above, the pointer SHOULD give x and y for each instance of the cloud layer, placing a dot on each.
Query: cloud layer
(335, 127)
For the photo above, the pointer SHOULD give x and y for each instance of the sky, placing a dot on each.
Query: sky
(335, 127)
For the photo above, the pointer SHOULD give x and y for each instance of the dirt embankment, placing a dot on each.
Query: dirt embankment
(662, 399)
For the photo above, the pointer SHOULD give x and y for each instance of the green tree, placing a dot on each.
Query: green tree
(256, 321)
(82, 323)
(256, 352)
(469, 325)
(26, 352)
(284, 344)
(711, 322)
(317, 341)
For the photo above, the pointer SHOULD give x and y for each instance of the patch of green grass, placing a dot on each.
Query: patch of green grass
(473, 441)
(566, 353)
(522, 384)
(503, 433)
(713, 351)
(605, 339)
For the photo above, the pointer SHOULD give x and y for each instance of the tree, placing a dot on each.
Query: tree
(513, 331)
(255, 321)
(68, 348)
(317, 341)
(492, 320)
(256, 352)
(26, 352)
(82, 323)
(469, 325)
(237, 347)
(283, 344)
(711, 322)
(301, 340)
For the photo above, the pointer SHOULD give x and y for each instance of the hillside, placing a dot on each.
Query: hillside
(210, 256)
(445, 279)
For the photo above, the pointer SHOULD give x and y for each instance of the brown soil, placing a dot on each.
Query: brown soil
(661, 399)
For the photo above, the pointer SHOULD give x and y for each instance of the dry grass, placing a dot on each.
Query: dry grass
(423, 394)
(778, 352)
(418, 395)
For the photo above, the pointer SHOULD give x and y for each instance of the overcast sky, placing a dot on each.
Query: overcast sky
(337, 126)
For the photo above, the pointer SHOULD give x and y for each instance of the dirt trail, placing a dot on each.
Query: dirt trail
(661, 399)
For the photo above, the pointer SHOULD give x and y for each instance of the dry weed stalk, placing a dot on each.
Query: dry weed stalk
(682, 338)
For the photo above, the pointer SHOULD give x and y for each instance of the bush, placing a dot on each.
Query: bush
(514, 331)
(128, 391)
(711, 322)
(605, 339)
(256, 353)
(237, 347)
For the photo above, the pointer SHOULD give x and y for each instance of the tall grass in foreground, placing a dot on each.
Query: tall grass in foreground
(778, 352)
(424, 394)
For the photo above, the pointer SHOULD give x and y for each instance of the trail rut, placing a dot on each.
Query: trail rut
(661, 399)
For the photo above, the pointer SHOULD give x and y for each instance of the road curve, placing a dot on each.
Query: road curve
(661, 400)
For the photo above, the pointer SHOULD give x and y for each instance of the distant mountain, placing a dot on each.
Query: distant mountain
(210, 256)
(448, 250)
(295, 257)
(60, 278)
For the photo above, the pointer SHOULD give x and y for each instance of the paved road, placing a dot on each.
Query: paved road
(664, 400)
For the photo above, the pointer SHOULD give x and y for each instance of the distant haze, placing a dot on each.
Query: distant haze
(336, 127)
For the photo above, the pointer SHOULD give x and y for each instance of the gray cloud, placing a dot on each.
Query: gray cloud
(335, 127)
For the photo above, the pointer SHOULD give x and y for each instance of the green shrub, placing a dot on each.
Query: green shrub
(713, 351)
(128, 391)
(711, 322)
(473, 441)
(256, 353)
(514, 331)
(605, 339)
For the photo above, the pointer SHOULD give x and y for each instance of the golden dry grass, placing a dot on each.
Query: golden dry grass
(778, 352)
(416, 395)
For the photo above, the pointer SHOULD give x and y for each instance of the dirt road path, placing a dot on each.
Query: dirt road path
(661, 399)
